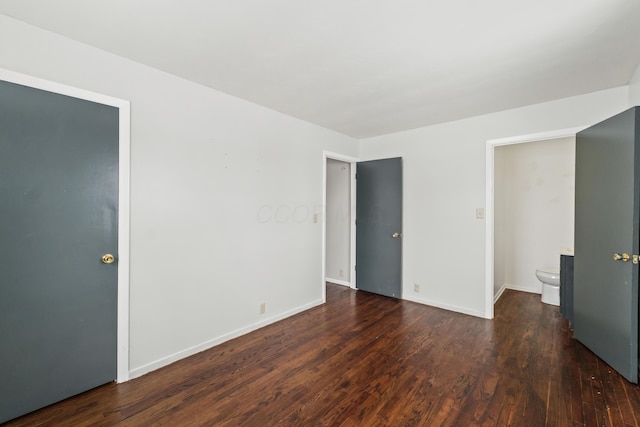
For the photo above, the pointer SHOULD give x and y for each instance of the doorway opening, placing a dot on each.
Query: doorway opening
(533, 211)
(492, 216)
(338, 221)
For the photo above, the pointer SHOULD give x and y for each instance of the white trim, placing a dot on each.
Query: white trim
(354, 190)
(340, 157)
(352, 261)
(533, 137)
(338, 282)
(499, 294)
(124, 226)
(219, 340)
(514, 288)
(522, 289)
(123, 198)
(444, 306)
(489, 238)
(489, 201)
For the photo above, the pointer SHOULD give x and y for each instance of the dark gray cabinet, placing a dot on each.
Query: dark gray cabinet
(566, 287)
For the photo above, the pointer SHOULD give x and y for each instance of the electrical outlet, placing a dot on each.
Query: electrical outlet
(263, 308)
(341, 273)
(416, 287)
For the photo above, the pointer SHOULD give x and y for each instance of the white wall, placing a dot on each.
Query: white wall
(535, 220)
(223, 192)
(222, 197)
(444, 183)
(338, 217)
(634, 88)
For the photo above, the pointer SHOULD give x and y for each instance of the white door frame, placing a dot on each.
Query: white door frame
(352, 196)
(489, 204)
(123, 198)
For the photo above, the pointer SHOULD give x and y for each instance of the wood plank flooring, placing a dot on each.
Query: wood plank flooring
(368, 360)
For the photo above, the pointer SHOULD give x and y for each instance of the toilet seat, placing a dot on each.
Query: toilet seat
(549, 270)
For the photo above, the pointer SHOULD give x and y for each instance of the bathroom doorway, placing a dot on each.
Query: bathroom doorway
(534, 210)
(529, 209)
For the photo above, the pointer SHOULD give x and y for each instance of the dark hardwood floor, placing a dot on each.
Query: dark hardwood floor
(367, 360)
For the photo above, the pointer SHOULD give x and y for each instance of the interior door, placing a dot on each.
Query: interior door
(606, 231)
(379, 227)
(58, 217)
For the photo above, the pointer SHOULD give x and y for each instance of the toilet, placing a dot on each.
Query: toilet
(550, 278)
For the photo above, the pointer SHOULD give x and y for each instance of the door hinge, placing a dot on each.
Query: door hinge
(634, 258)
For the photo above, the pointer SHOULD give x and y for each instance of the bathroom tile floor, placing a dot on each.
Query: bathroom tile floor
(367, 360)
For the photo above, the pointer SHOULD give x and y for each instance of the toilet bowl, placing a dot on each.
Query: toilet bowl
(550, 278)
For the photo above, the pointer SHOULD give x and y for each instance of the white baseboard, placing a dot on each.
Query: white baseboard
(338, 282)
(522, 288)
(499, 294)
(449, 307)
(141, 370)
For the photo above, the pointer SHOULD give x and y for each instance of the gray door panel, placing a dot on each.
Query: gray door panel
(606, 222)
(58, 216)
(379, 216)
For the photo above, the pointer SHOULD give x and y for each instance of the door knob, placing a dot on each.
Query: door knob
(395, 235)
(624, 257)
(108, 258)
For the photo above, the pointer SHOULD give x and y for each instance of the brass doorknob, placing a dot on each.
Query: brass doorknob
(624, 257)
(395, 235)
(108, 258)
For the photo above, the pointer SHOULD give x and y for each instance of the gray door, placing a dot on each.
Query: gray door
(58, 216)
(379, 227)
(606, 223)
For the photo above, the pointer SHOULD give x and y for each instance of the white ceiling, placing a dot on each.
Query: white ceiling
(365, 67)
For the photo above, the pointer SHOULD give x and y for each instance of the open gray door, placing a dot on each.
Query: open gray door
(606, 232)
(58, 217)
(379, 227)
